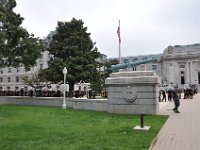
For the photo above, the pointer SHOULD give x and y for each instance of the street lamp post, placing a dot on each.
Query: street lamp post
(64, 103)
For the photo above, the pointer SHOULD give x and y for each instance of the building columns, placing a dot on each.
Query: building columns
(187, 71)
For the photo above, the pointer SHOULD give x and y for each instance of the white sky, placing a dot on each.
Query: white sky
(147, 26)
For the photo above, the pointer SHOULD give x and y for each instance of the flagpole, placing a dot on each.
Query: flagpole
(120, 61)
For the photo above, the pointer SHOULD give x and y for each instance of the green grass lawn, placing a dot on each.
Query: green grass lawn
(43, 128)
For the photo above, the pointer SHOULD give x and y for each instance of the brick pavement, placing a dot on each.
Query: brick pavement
(182, 130)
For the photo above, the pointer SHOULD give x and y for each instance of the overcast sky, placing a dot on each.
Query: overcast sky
(147, 26)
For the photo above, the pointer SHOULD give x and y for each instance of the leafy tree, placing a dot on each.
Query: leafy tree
(17, 46)
(72, 47)
(98, 81)
(36, 81)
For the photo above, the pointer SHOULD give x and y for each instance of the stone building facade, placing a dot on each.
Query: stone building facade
(11, 78)
(178, 65)
(181, 65)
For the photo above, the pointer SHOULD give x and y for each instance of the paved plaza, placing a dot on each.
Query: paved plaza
(182, 130)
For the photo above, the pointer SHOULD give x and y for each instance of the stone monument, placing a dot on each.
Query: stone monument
(133, 92)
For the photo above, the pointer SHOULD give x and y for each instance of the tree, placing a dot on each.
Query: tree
(73, 48)
(98, 81)
(36, 81)
(17, 46)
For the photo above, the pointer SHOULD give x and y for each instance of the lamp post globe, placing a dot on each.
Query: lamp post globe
(64, 101)
(65, 70)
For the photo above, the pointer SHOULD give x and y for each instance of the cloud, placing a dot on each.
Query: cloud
(147, 26)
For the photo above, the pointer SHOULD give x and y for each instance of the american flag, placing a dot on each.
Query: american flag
(118, 33)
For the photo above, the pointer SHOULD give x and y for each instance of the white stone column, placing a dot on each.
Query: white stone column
(191, 73)
(187, 72)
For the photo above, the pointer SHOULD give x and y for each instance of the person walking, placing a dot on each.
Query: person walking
(163, 95)
(170, 94)
(176, 101)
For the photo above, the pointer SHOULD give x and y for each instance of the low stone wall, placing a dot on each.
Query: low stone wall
(85, 104)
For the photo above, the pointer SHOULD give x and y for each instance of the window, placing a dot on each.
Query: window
(49, 37)
(1, 79)
(134, 68)
(41, 66)
(17, 79)
(182, 72)
(181, 66)
(27, 69)
(9, 70)
(18, 70)
(85, 88)
(8, 79)
(1, 71)
(154, 67)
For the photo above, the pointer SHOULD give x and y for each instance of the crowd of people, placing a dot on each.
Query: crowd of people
(31, 92)
(188, 93)
(167, 94)
(174, 94)
(45, 93)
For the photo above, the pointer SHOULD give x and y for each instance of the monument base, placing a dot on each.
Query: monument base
(140, 128)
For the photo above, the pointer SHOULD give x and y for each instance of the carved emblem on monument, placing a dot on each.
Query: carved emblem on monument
(130, 95)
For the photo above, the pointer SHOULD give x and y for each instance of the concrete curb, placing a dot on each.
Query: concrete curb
(156, 138)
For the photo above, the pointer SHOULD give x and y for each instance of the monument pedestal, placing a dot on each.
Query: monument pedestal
(142, 128)
(133, 92)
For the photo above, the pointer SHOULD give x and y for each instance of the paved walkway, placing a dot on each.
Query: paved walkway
(182, 130)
